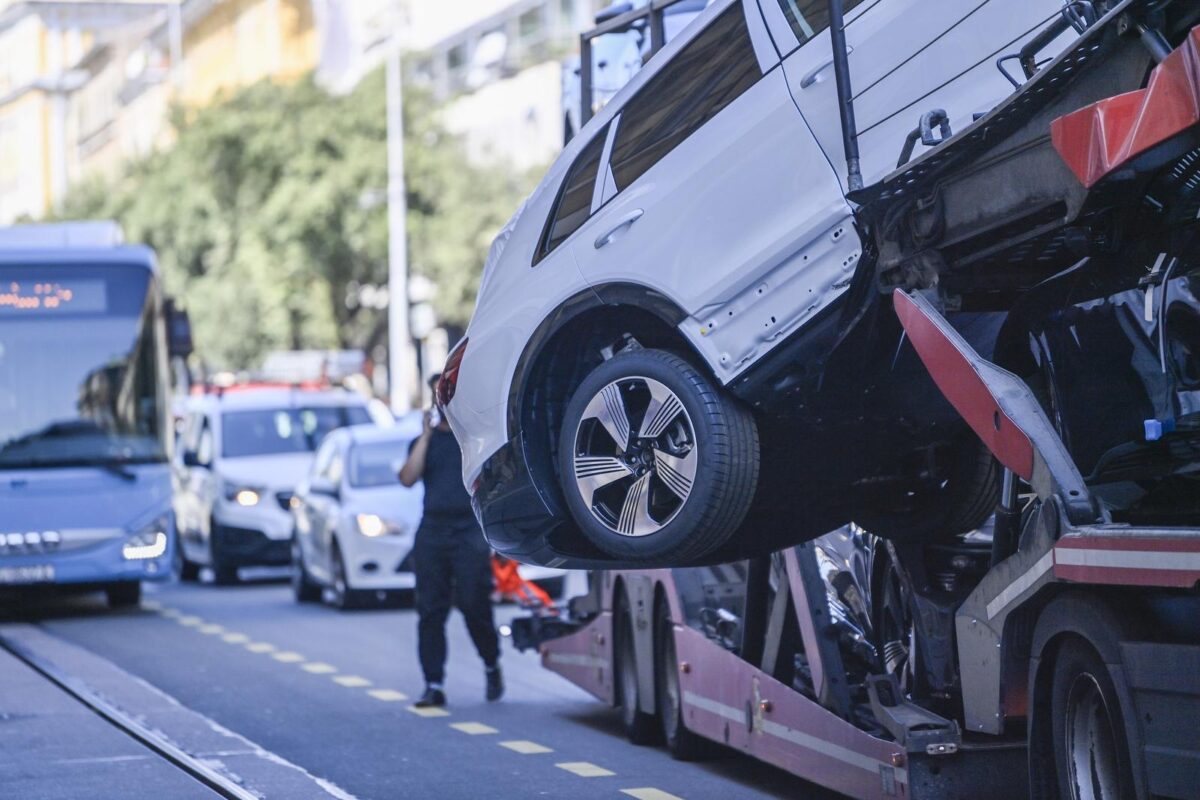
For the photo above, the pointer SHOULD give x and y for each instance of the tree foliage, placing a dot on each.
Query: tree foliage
(270, 206)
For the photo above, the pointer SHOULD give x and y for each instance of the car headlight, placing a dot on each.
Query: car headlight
(244, 496)
(373, 526)
(149, 542)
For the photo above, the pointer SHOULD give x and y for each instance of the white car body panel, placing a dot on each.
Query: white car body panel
(744, 225)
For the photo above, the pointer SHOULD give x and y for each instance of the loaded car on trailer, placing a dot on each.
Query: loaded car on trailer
(1069, 630)
(692, 283)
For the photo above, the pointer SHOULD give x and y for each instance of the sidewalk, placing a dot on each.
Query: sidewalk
(54, 748)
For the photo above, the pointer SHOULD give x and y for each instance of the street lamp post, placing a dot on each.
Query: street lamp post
(401, 358)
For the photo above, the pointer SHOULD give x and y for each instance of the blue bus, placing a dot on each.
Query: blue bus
(85, 426)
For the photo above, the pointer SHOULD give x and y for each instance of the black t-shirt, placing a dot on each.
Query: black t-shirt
(445, 497)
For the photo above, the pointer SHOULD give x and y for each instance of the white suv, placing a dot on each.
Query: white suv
(661, 352)
(241, 456)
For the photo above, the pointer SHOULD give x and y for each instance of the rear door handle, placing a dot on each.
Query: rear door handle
(812, 77)
(622, 224)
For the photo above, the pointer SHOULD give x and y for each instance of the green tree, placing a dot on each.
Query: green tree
(268, 209)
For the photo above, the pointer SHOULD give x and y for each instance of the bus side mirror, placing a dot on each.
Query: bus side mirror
(179, 331)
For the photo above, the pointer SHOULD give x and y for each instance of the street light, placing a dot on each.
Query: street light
(401, 359)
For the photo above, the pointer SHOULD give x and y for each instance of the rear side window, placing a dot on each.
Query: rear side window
(810, 17)
(709, 73)
(574, 202)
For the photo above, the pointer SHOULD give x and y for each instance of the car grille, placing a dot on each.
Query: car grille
(285, 500)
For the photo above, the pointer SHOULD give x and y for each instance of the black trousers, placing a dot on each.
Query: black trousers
(453, 568)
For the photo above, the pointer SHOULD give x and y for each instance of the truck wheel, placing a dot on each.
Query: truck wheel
(303, 587)
(124, 594)
(682, 744)
(1090, 750)
(960, 501)
(633, 437)
(640, 727)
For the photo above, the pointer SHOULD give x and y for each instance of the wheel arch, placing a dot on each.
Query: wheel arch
(565, 347)
(1099, 622)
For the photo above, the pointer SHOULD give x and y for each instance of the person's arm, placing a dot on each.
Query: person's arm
(414, 467)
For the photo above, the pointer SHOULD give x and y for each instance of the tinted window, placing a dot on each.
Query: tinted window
(708, 74)
(377, 464)
(284, 430)
(575, 200)
(81, 366)
(809, 17)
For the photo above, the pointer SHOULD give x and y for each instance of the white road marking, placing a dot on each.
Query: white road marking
(473, 728)
(352, 681)
(387, 695)
(288, 657)
(525, 747)
(318, 668)
(585, 769)
(432, 711)
(649, 793)
(260, 647)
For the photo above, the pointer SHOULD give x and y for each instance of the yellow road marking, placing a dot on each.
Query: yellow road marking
(387, 695)
(585, 769)
(318, 668)
(525, 747)
(191, 622)
(650, 794)
(236, 638)
(171, 613)
(260, 647)
(353, 681)
(429, 712)
(473, 728)
(288, 657)
(212, 629)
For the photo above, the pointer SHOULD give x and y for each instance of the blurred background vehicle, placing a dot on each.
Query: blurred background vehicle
(355, 524)
(241, 456)
(84, 420)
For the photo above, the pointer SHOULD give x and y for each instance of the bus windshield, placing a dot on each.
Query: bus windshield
(82, 361)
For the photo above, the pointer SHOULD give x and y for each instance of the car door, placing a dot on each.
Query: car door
(713, 192)
(202, 488)
(319, 508)
(906, 57)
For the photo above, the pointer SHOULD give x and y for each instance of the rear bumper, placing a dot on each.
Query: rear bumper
(518, 520)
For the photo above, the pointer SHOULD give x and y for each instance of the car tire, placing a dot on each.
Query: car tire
(644, 499)
(1090, 743)
(344, 598)
(224, 573)
(682, 744)
(125, 594)
(185, 571)
(640, 728)
(959, 504)
(304, 589)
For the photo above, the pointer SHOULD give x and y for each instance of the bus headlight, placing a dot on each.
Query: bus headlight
(150, 542)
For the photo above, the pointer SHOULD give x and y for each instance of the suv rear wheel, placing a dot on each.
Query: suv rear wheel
(633, 438)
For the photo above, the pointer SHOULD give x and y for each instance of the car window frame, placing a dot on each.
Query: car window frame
(540, 253)
(752, 50)
(787, 41)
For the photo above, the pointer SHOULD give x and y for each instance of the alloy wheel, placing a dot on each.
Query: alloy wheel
(635, 456)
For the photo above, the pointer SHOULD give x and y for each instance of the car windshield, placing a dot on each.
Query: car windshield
(82, 366)
(377, 464)
(284, 430)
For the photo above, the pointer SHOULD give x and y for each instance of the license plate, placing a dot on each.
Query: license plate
(35, 573)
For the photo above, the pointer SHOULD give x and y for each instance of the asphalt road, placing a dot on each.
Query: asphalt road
(330, 693)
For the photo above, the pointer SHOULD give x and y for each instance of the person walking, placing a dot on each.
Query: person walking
(452, 560)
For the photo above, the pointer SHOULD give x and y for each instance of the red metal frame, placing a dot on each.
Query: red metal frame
(1099, 139)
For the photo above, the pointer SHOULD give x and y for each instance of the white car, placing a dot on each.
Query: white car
(355, 524)
(240, 457)
(680, 326)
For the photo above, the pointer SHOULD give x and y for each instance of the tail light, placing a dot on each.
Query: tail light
(449, 380)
